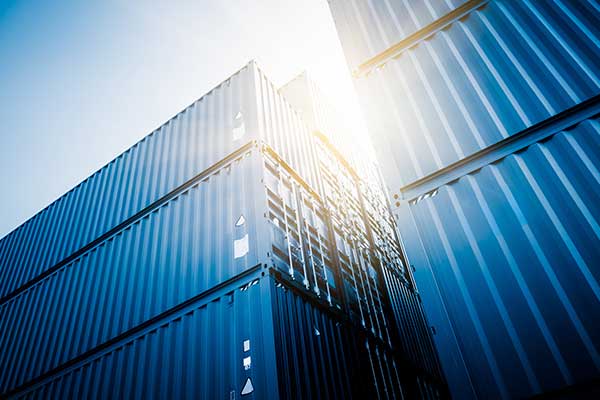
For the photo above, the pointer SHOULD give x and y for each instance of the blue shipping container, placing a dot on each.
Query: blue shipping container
(209, 261)
(484, 115)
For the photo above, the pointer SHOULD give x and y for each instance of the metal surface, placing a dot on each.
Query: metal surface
(283, 208)
(195, 351)
(320, 115)
(297, 349)
(415, 337)
(283, 129)
(491, 154)
(340, 179)
(370, 27)
(485, 121)
(181, 247)
(500, 69)
(196, 138)
(353, 191)
(104, 307)
(421, 34)
(514, 251)
(343, 363)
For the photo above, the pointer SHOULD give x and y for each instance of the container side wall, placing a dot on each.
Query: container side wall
(506, 251)
(514, 250)
(415, 337)
(283, 129)
(205, 132)
(322, 116)
(369, 27)
(185, 246)
(321, 357)
(503, 67)
(445, 339)
(244, 107)
(198, 353)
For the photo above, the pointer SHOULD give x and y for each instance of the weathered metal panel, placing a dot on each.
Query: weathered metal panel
(503, 67)
(369, 27)
(194, 352)
(176, 250)
(514, 248)
(244, 107)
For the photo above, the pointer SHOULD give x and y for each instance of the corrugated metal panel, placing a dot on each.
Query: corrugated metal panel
(322, 116)
(196, 138)
(324, 119)
(369, 27)
(310, 231)
(354, 287)
(286, 132)
(180, 248)
(296, 350)
(246, 106)
(502, 68)
(197, 352)
(415, 338)
(514, 250)
(381, 290)
(300, 244)
(324, 358)
(309, 341)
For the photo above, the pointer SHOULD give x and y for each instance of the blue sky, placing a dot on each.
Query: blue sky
(81, 81)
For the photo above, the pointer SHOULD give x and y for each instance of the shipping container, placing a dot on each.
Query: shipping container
(321, 115)
(183, 246)
(248, 216)
(244, 107)
(257, 340)
(158, 303)
(513, 246)
(336, 143)
(214, 346)
(484, 118)
(371, 27)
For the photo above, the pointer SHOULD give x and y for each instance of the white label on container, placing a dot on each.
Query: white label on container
(241, 221)
(240, 247)
(239, 128)
(247, 345)
(248, 388)
(247, 362)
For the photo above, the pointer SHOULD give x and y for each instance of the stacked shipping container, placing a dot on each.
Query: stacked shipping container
(207, 262)
(344, 179)
(484, 115)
